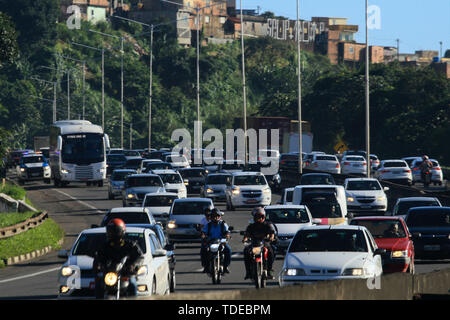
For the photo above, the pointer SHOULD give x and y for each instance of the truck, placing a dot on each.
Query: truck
(41, 142)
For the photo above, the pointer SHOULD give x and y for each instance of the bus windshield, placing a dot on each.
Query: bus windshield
(82, 148)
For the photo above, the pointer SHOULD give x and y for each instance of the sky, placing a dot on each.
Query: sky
(418, 24)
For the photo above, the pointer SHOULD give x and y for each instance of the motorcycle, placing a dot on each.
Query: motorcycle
(426, 178)
(258, 266)
(115, 283)
(215, 260)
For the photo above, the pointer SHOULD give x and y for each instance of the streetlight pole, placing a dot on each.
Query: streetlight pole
(367, 95)
(300, 136)
(244, 87)
(121, 81)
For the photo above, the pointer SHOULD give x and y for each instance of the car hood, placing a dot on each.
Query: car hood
(430, 230)
(83, 262)
(187, 219)
(33, 165)
(253, 188)
(332, 260)
(173, 185)
(290, 228)
(158, 210)
(392, 243)
(364, 193)
(145, 189)
(216, 186)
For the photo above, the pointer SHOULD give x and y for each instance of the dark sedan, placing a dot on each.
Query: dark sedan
(430, 228)
(115, 161)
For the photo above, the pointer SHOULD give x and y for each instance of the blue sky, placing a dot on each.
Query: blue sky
(419, 24)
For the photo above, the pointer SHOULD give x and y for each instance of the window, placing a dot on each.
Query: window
(351, 50)
(206, 19)
(222, 20)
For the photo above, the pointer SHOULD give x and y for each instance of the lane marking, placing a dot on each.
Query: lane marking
(79, 201)
(30, 275)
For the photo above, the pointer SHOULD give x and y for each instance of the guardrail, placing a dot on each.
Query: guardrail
(21, 227)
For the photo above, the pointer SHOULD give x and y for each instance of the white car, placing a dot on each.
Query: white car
(365, 195)
(437, 176)
(330, 253)
(147, 161)
(33, 166)
(396, 171)
(409, 160)
(128, 215)
(173, 182)
(324, 162)
(215, 186)
(76, 278)
(248, 189)
(287, 220)
(159, 205)
(287, 196)
(356, 165)
(177, 161)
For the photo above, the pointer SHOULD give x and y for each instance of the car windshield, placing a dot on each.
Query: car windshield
(424, 218)
(363, 185)
(380, 228)
(82, 149)
(317, 179)
(151, 181)
(403, 206)
(127, 217)
(159, 201)
(217, 179)
(190, 207)
(158, 166)
(170, 178)
(289, 157)
(329, 240)
(130, 153)
(287, 215)
(194, 173)
(120, 175)
(322, 205)
(116, 157)
(395, 164)
(36, 159)
(254, 180)
(354, 159)
(89, 243)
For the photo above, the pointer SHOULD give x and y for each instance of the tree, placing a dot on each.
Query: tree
(9, 49)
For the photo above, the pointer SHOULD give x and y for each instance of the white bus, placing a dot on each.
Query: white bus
(78, 152)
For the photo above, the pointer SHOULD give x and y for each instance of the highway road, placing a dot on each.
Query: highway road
(76, 207)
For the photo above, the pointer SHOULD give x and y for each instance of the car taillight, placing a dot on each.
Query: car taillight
(346, 163)
(385, 171)
(337, 165)
(437, 168)
(315, 164)
(282, 162)
(407, 171)
(416, 169)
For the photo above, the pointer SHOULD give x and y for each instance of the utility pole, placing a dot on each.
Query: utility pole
(440, 51)
(367, 96)
(398, 49)
(68, 95)
(299, 72)
(244, 86)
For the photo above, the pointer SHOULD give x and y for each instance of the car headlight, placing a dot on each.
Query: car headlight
(381, 198)
(67, 271)
(353, 272)
(171, 225)
(65, 171)
(142, 270)
(350, 199)
(111, 279)
(236, 191)
(130, 196)
(294, 272)
(209, 190)
(101, 170)
(399, 254)
(22, 169)
(267, 191)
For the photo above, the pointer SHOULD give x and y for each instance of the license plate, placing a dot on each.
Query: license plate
(252, 201)
(396, 172)
(366, 206)
(36, 174)
(435, 247)
(356, 165)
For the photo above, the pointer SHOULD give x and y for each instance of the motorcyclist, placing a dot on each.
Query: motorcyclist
(259, 230)
(425, 167)
(216, 228)
(114, 249)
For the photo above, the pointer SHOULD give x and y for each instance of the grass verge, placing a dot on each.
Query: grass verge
(47, 234)
(9, 219)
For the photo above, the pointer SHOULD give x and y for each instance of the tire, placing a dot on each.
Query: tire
(412, 267)
(173, 282)
(213, 271)
(257, 275)
(154, 287)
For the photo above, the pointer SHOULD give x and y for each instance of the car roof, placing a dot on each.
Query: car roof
(34, 154)
(378, 218)
(285, 206)
(317, 174)
(159, 194)
(311, 186)
(103, 230)
(163, 171)
(143, 175)
(220, 174)
(417, 199)
(360, 179)
(125, 170)
(430, 208)
(393, 160)
(193, 199)
(334, 227)
(247, 173)
(128, 209)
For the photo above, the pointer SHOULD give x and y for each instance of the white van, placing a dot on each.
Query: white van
(326, 202)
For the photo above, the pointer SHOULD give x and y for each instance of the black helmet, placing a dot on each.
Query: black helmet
(216, 212)
(115, 229)
(258, 213)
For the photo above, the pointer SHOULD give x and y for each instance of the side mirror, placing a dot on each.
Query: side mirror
(379, 251)
(417, 235)
(386, 188)
(242, 233)
(231, 228)
(316, 221)
(349, 215)
(63, 254)
(160, 253)
(94, 226)
(169, 247)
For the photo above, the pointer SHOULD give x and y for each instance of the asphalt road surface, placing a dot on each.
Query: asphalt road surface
(77, 206)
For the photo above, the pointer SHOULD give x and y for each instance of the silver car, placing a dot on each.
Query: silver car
(396, 171)
(365, 195)
(136, 186)
(116, 182)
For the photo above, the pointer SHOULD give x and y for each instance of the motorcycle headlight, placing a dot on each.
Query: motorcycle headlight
(67, 271)
(353, 272)
(399, 254)
(256, 251)
(142, 270)
(111, 279)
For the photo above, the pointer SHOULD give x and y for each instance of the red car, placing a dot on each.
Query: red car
(392, 234)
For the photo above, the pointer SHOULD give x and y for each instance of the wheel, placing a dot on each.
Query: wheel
(154, 287)
(173, 282)
(214, 271)
(257, 275)
(412, 267)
